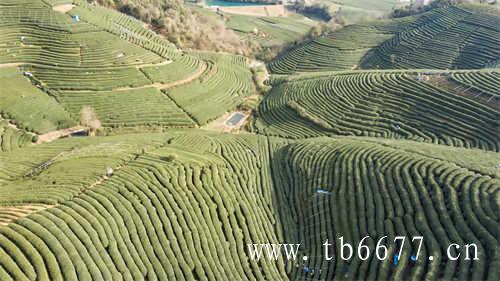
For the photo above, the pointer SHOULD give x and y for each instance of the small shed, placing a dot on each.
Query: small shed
(109, 171)
(75, 18)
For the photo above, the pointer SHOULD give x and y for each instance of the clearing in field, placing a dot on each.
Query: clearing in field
(256, 11)
(229, 122)
(63, 8)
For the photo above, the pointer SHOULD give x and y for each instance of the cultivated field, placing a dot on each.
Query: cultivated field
(113, 165)
(447, 38)
(388, 105)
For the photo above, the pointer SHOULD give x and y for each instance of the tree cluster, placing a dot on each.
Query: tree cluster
(183, 27)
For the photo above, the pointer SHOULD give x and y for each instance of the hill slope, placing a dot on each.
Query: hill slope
(182, 210)
(389, 105)
(378, 191)
(93, 56)
(185, 207)
(446, 38)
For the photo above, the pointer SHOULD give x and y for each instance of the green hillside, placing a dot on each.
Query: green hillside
(31, 108)
(124, 157)
(388, 105)
(453, 38)
(111, 62)
(446, 38)
(380, 191)
(339, 50)
(183, 208)
(12, 138)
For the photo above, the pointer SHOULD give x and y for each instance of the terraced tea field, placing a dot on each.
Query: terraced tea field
(391, 193)
(123, 227)
(485, 83)
(31, 108)
(447, 38)
(109, 170)
(12, 138)
(389, 105)
(221, 87)
(112, 63)
(455, 38)
(338, 50)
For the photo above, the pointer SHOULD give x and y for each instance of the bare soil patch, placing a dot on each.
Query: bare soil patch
(258, 11)
(221, 124)
(10, 213)
(445, 82)
(63, 8)
(10, 64)
(51, 136)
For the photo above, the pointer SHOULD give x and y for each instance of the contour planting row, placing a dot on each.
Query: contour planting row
(220, 88)
(126, 27)
(485, 82)
(452, 37)
(182, 68)
(125, 108)
(53, 172)
(96, 79)
(106, 49)
(371, 190)
(163, 217)
(12, 138)
(70, 57)
(342, 49)
(34, 33)
(27, 106)
(378, 105)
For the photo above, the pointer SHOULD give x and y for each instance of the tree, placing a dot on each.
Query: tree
(88, 118)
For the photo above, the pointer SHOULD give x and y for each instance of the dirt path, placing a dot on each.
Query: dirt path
(16, 64)
(165, 62)
(51, 136)
(11, 64)
(188, 79)
(161, 86)
(63, 8)
(10, 213)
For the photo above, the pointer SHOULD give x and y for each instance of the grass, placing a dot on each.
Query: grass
(29, 107)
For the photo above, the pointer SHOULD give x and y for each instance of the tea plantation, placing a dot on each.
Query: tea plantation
(12, 138)
(388, 105)
(383, 129)
(89, 55)
(388, 192)
(184, 208)
(456, 37)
